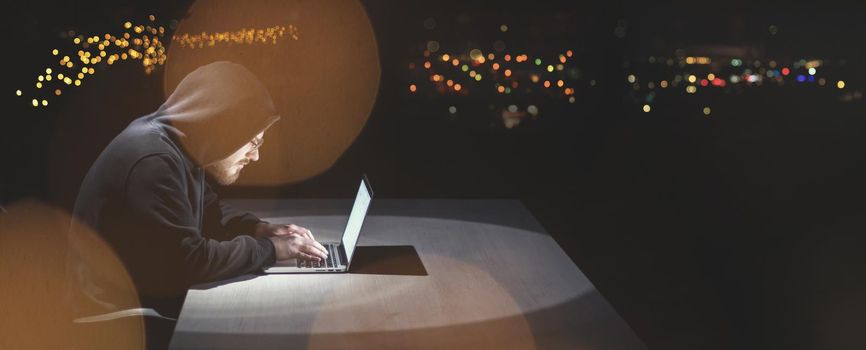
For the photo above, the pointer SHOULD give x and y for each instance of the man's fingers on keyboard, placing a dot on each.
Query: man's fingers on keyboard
(315, 251)
(321, 247)
(309, 257)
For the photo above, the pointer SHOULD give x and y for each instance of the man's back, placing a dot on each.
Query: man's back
(147, 197)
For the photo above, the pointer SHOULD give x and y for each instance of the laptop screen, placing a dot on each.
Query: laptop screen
(356, 218)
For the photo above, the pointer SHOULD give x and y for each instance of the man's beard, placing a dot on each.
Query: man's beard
(222, 172)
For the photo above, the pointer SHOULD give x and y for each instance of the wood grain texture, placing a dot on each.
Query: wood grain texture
(495, 280)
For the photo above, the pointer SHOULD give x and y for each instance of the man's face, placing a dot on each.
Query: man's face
(227, 171)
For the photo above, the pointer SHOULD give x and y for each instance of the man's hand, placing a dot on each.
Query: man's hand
(292, 241)
(295, 246)
(266, 230)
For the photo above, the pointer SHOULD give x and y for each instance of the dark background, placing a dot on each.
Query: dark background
(743, 229)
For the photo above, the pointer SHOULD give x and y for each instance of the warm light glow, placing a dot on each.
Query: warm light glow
(426, 65)
(698, 60)
(445, 57)
(560, 83)
(707, 110)
(457, 87)
(455, 62)
(692, 78)
(496, 66)
(663, 84)
(547, 83)
(17, 92)
(840, 84)
(476, 54)
(631, 78)
(44, 102)
(508, 72)
(413, 88)
(501, 89)
(647, 108)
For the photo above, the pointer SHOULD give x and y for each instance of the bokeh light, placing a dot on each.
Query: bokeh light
(304, 77)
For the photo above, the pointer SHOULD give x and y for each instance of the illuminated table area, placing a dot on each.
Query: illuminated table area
(486, 276)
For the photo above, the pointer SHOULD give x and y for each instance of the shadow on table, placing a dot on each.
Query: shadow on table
(584, 322)
(400, 260)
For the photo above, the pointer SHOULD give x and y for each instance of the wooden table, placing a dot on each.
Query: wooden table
(492, 278)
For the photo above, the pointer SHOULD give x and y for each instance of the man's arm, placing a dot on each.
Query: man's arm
(158, 196)
(224, 222)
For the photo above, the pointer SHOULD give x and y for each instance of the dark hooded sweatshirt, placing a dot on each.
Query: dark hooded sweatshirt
(147, 196)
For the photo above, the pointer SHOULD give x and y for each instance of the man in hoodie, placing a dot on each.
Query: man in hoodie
(147, 195)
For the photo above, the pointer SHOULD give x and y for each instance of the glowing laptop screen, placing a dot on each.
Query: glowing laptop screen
(356, 218)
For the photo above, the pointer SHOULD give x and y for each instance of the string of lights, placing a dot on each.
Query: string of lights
(243, 36)
(94, 52)
(136, 42)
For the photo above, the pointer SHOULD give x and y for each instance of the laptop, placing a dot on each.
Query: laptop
(339, 253)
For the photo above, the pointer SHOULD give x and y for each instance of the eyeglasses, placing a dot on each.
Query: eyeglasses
(256, 143)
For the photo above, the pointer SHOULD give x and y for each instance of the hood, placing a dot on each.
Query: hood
(216, 110)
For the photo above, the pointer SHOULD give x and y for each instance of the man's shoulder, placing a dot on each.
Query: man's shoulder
(143, 139)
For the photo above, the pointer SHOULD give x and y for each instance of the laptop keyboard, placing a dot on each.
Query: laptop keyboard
(332, 261)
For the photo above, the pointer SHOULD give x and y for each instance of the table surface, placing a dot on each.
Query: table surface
(492, 279)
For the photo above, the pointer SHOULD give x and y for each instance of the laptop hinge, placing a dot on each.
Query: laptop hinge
(343, 259)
